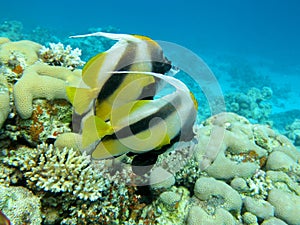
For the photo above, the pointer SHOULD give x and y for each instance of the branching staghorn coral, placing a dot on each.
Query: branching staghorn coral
(50, 169)
(73, 190)
(59, 55)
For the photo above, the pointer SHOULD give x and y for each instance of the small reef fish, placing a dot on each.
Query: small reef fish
(3, 219)
(143, 127)
(100, 88)
(115, 109)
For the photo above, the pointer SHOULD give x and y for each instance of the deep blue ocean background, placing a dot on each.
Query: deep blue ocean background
(268, 28)
(237, 39)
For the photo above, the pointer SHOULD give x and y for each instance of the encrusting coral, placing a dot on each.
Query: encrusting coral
(28, 49)
(4, 99)
(20, 205)
(243, 194)
(42, 81)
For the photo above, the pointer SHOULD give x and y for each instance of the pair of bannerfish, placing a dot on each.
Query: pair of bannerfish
(116, 105)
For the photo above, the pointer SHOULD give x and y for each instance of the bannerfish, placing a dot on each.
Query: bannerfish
(143, 127)
(3, 219)
(100, 88)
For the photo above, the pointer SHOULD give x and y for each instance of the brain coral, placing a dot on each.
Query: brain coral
(241, 166)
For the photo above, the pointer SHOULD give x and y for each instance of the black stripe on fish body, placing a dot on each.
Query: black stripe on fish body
(160, 64)
(144, 162)
(163, 113)
(150, 90)
(110, 86)
(115, 80)
(161, 67)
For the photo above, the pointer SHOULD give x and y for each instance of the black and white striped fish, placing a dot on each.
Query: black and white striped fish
(100, 88)
(143, 127)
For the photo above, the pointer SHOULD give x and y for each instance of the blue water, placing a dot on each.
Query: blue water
(262, 35)
(268, 27)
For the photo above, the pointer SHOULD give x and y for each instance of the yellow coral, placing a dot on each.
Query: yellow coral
(27, 48)
(3, 40)
(42, 81)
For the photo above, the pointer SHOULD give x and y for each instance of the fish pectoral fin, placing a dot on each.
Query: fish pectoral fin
(81, 98)
(112, 36)
(94, 129)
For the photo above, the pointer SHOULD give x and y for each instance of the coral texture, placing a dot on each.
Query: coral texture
(42, 81)
(50, 169)
(255, 104)
(236, 167)
(28, 49)
(4, 99)
(293, 132)
(59, 55)
(20, 205)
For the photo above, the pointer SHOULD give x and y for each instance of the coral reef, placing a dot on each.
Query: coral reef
(26, 50)
(25, 84)
(216, 192)
(20, 205)
(287, 212)
(59, 55)
(72, 189)
(236, 173)
(4, 99)
(228, 176)
(293, 132)
(12, 29)
(47, 168)
(242, 167)
(48, 120)
(254, 105)
(42, 81)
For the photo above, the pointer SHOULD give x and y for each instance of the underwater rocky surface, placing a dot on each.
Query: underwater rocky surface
(238, 172)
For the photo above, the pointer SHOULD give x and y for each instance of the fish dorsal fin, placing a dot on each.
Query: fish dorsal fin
(92, 69)
(112, 36)
(81, 98)
(94, 129)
